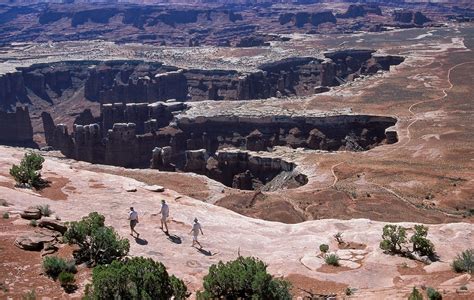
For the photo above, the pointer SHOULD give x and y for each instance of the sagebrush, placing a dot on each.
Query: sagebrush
(464, 262)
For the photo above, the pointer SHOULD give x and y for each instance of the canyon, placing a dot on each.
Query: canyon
(278, 125)
(143, 81)
(210, 24)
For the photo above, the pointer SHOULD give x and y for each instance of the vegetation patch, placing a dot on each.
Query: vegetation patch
(243, 278)
(394, 241)
(135, 278)
(98, 244)
(54, 266)
(464, 262)
(28, 172)
(332, 260)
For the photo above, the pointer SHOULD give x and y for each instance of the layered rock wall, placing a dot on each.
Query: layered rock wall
(332, 133)
(300, 19)
(148, 117)
(132, 82)
(121, 145)
(16, 129)
(12, 90)
(147, 82)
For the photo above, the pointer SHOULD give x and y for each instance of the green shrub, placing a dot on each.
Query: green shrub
(67, 281)
(45, 210)
(393, 237)
(332, 259)
(420, 243)
(28, 172)
(243, 278)
(180, 291)
(324, 248)
(136, 278)
(6, 215)
(33, 223)
(464, 262)
(66, 278)
(53, 266)
(433, 294)
(97, 243)
(415, 295)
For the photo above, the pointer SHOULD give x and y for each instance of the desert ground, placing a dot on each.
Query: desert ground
(291, 250)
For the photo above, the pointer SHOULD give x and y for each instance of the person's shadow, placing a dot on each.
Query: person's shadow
(141, 242)
(205, 252)
(174, 238)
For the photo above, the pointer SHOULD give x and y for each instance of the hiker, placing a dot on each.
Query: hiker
(195, 232)
(165, 212)
(133, 217)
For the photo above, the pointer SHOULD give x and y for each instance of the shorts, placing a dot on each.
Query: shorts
(195, 237)
(163, 219)
(133, 223)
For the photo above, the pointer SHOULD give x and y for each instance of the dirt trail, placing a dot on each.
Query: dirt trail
(445, 94)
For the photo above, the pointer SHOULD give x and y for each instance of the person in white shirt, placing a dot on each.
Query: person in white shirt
(133, 217)
(195, 231)
(165, 212)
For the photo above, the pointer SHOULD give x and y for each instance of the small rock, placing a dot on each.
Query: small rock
(53, 224)
(31, 213)
(49, 248)
(155, 188)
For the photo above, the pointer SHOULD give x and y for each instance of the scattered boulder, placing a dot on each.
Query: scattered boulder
(49, 248)
(321, 89)
(130, 189)
(52, 224)
(31, 213)
(155, 188)
(34, 241)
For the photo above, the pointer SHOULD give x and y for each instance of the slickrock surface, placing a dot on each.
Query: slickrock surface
(289, 250)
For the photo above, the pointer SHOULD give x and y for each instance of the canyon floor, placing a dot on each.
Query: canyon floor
(426, 177)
